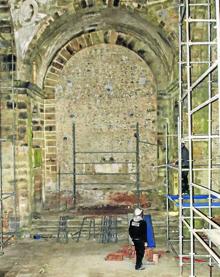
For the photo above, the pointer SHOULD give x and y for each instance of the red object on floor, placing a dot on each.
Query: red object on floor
(186, 259)
(128, 251)
(149, 254)
(114, 257)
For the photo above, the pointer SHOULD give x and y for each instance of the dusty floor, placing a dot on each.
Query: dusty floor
(42, 257)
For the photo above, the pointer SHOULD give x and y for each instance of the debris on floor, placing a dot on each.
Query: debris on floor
(127, 251)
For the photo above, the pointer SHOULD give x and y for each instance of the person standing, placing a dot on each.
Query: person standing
(185, 165)
(138, 234)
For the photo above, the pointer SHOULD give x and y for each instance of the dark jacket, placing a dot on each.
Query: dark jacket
(185, 157)
(138, 230)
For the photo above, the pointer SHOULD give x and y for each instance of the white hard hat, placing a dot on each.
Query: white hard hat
(182, 141)
(137, 212)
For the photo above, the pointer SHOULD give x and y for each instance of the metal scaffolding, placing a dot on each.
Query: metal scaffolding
(81, 158)
(7, 140)
(198, 125)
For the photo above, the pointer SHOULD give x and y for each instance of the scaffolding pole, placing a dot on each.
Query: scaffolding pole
(167, 189)
(74, 164)
(138, 164)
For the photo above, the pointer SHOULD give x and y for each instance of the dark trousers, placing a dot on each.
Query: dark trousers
(185, 183)
(139, 249)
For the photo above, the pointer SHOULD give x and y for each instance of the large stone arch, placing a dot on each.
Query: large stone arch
(86, 40)
(51, 49)
(133, 32)
(55, 69)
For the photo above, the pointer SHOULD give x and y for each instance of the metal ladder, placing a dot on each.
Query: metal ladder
(109, 229)
(89, 220)
(62, 235)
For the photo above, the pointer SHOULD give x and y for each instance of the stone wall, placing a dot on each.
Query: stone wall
(49, 33)
(65, 45)
(105, 90)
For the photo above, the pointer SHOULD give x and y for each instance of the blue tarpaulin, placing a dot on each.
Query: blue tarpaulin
(150, 232)
(175, 199)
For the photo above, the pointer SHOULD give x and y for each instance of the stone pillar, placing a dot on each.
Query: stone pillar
(29, 151)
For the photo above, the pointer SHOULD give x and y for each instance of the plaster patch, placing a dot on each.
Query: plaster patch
(28, 12)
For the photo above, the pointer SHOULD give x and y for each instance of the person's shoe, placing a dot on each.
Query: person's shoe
(140, 267)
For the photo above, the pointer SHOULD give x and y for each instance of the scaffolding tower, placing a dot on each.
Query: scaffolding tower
(180, 203)
(8, 226)
(199, 126)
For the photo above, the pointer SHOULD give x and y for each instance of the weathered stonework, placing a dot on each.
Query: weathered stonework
(18, 166)
(104, 65)
(105, 90)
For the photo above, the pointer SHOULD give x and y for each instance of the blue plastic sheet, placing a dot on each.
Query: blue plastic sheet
(150, 232)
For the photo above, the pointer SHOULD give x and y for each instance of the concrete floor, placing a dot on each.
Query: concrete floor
(29, 257)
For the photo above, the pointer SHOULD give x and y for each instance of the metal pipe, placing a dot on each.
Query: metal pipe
(74, 163)
(59, 187)
(202, 137)
(14, 141)
(201, 78)
(179, 135)
(204, 217)
(146, 142)
(167, 190)
(204, 75)
(189, 106)
(207, 189)
(137, 164)
(202, 20)
(97, 183)
(108, 162)
(195, 62)
(7, 239)
(100, 174)
(198, 4)
(180, 193)
(6, 197)
(105, 152)
(205, 168)
(192, 43)
(205, 103)
(217, 8)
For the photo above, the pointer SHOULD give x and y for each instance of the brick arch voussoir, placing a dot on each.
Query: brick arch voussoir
(87, 40)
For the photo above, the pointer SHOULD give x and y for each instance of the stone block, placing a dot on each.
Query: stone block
(21, 105)
(66, 54)
(50, 110)
(74, 46)
(50, 128)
